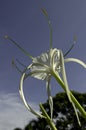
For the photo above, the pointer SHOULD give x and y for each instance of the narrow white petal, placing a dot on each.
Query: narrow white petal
(49, 97)
(76, 114)
(64, 77)
(76, 60)
(23, 97)
(68, 91)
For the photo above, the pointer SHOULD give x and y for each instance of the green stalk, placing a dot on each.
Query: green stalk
(48, 119)
(77, 104)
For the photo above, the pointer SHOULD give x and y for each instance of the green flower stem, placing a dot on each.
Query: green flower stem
(48, 119)
(77, 104)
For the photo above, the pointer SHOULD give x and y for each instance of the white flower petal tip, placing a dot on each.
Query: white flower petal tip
(76, 60)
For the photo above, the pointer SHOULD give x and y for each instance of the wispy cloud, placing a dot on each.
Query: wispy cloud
(12, 112)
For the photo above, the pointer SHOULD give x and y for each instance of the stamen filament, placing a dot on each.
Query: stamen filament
(25, 52)
(50, 26)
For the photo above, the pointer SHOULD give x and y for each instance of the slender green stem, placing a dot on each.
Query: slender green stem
(48, 119)
(77, 104)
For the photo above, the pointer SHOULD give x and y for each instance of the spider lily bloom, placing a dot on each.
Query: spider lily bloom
(46, 66)
(42, 68)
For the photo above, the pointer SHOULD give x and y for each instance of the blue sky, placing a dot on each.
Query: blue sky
(25, 23)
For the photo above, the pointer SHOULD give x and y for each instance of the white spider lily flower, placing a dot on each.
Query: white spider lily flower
(43, 64)
(44, 67)
(41, 68)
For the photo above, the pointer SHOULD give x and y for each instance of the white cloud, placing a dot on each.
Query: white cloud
(13, 113)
